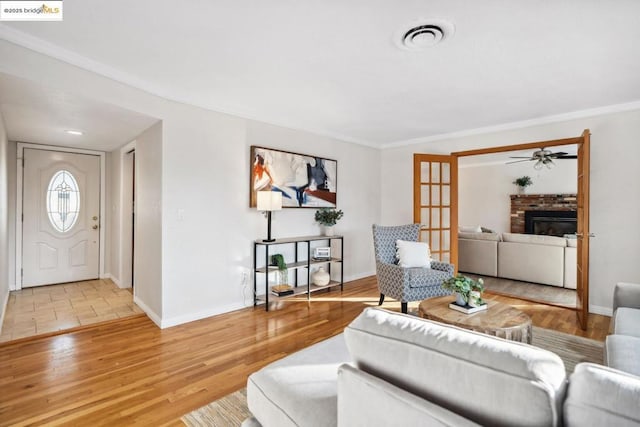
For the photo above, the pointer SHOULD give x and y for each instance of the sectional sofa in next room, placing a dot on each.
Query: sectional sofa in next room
(547, 260)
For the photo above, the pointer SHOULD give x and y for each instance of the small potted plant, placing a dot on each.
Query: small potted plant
(523, 182)
(328, 217)
(283, 272)
(468, 291)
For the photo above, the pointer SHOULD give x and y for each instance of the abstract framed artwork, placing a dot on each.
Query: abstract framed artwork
(305, 181)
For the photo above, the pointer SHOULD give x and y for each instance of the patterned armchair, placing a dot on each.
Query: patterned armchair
(405, 284)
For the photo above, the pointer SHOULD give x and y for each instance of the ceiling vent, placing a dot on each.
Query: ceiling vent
(424, 35)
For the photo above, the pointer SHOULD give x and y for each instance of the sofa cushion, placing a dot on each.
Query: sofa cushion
(531, 263)
(485, 379)
(600, 396)
(478, 256)
(534, 239)
(494, 237)
(570, 267)
(470, 228)
(626, 321)
(300, 389)
(366, 400)
(621, 352)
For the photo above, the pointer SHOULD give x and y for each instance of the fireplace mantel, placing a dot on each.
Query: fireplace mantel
(538, 202)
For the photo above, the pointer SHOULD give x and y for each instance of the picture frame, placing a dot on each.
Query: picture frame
(305, 181)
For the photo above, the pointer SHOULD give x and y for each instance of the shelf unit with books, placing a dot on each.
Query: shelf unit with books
(301, 263)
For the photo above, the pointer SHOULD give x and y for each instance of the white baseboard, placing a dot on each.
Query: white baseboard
(358, 276)
(115, 280)
(152, 314)
(190, 317)
(4, 310)
(597, 309)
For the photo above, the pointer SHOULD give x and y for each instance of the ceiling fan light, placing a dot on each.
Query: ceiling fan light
(538, 165)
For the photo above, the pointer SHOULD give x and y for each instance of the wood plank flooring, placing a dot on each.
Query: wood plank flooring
(130, 372)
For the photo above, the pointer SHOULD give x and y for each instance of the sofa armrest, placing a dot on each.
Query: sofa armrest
(599, 396)
(626, 295)
(442, 266)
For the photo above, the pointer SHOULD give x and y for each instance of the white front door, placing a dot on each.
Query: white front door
(61, 217)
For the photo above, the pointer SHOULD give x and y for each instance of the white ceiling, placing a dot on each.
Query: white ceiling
(39, 114)
(333, 67)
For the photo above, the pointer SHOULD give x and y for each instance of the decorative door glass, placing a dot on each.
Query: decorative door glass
(63, 201)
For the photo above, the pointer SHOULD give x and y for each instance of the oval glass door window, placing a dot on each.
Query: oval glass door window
(63, 201)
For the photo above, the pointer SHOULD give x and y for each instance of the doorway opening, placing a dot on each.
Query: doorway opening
(422, 206)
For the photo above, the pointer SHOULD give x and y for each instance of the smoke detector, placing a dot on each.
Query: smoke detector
(423, 35)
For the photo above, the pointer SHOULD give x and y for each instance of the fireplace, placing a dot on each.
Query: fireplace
(551, 223)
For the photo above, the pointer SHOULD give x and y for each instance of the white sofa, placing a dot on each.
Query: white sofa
(394, 369)
(531, 258)
(622, 348)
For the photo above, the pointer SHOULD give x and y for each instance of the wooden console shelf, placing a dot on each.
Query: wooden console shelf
(302, 259)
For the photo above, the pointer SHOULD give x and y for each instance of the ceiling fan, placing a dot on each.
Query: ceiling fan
(544, 157)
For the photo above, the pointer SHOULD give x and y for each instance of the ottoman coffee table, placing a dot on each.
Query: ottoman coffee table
(500, 320)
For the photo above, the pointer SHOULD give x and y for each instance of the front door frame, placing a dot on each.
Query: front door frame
(19, 166)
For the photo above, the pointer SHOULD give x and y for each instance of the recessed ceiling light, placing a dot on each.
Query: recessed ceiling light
(424, 34)
(73, 132)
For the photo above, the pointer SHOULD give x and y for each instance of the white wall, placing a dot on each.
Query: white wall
(484, 190)
(615, 185)
(149, 291)
(207, 228)
(4, 221)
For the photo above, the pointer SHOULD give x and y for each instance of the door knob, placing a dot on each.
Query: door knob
(95, 227)
(580, 235)
(95, 218)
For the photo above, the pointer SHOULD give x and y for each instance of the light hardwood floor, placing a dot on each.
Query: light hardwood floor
(130, 372)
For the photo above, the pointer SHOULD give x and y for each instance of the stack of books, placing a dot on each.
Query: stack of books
(281, 290)
(467, 309)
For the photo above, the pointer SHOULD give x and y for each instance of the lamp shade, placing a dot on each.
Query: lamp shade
(269, 201)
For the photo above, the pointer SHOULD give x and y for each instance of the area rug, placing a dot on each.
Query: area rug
(232, 409)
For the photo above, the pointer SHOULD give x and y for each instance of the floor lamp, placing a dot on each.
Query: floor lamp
(269, 201)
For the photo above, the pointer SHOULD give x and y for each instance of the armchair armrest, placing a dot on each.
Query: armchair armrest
(442, 266)
(626, 295)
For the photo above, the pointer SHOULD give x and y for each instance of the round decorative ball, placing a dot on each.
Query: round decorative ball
(320, 277)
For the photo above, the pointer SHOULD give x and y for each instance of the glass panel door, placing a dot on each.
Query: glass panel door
(435, 204)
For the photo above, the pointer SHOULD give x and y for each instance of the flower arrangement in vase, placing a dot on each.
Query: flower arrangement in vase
(468, 291)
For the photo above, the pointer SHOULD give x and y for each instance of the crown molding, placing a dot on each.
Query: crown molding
(55, 51)
(580, 114)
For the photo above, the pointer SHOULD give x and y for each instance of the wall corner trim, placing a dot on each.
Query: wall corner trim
(152, 314)
(4, 309)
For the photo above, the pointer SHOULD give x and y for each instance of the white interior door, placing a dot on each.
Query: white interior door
(61, 217)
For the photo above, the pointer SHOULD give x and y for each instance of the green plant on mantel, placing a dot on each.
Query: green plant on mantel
(523, 181)
(464, 285)
(328, 217)
(283, 272)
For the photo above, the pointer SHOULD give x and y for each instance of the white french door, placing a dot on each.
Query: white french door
(61, 217)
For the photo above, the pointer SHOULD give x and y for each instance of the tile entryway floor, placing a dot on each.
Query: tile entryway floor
(43, 309)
